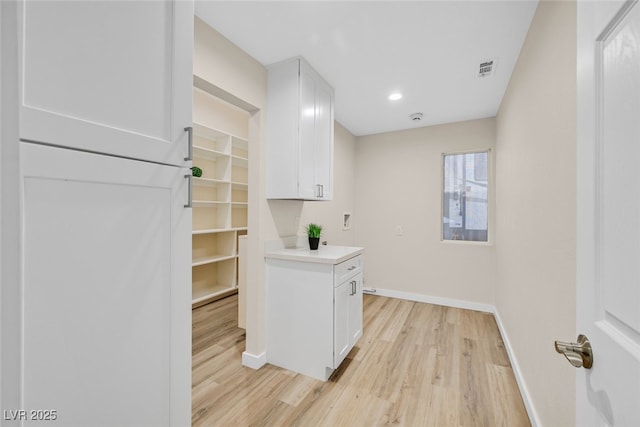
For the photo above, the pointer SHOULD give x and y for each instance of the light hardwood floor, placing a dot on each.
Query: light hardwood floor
(416, 364)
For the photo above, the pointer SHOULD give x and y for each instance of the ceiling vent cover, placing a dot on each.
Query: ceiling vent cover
(487, 67)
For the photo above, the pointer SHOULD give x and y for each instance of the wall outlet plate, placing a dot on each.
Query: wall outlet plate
(346, 221)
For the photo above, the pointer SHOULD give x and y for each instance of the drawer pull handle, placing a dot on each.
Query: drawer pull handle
(353, 267)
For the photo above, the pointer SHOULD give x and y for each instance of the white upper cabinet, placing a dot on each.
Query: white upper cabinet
(300, 133)
(107, 77)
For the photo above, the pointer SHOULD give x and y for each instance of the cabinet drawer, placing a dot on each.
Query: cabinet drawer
(347, 269)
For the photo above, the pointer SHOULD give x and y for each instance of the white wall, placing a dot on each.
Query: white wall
(536, 210)
(398, 182)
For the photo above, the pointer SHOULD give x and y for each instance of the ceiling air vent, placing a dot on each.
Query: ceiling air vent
(487, 67)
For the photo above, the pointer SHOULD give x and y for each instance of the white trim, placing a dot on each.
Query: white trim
(254, 361)
(524, 392)
(449, 302)
(487, 308)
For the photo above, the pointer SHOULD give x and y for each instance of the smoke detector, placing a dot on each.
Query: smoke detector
(416, 117)
(487, 67)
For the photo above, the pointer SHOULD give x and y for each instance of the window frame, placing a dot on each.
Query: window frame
(490, 186)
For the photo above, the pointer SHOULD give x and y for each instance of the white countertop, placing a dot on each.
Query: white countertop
(324, 254)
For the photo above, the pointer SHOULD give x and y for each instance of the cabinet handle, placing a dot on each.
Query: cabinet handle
(189, 131)
(319, 191)
(353, 267)
(189, 189)
(353, 287)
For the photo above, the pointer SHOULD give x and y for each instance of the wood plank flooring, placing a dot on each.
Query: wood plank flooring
(416, 365)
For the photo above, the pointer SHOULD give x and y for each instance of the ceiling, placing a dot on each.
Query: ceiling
(430, 51)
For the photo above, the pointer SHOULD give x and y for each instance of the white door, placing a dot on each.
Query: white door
(608, 253)
(105, 334)
(107, 76)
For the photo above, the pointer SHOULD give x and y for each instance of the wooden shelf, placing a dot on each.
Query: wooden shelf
(207, 153)
(208, 182)
(241, 162)
(220, 195)
(211, 216)
(202, 261)
(213, 139)
(211, 231)
(211, 279)
(206, 203)
(207, 297)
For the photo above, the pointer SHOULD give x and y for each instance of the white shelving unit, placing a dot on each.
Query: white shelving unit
(220, 200)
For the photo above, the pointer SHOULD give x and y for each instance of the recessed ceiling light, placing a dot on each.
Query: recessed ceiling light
(395, 96)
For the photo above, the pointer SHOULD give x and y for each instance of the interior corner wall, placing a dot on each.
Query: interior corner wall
(399, 184)
(233, 71)
(536, 211)
(330, 214)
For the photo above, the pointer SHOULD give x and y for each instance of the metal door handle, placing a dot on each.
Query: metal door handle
(579, 354)
(189, 130)
(320, 191)
(190, 198)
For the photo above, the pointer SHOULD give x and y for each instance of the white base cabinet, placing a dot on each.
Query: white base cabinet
(106, 315)
(314, 313)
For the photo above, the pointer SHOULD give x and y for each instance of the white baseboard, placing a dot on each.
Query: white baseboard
(254, 361)
(524, 392)
(487, 308)
(449, 302)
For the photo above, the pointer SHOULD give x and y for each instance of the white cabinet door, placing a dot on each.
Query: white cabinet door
(355, 310)
(306, 162)
(105, 298)
(107, 76)
(341, 306)
(300, 139)
(347, 322)
(323, 147)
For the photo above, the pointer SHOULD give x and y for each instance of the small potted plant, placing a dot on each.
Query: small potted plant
(313, 231)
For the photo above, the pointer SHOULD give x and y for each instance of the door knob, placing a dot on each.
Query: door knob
(579, 354)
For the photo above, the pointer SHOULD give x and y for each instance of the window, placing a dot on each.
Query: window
(465, 208)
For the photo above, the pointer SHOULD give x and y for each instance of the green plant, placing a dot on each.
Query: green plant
(314, 230)
(196, 171)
